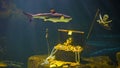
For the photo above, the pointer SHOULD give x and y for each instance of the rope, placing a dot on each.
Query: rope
(91, 27)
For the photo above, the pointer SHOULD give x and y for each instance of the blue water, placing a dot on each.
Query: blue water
(20, 39)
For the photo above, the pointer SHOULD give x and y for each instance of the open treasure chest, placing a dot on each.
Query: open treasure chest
(65, 54)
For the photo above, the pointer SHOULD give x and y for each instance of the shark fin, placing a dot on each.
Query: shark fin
(45, 19)
(29, 16)
(62, 17)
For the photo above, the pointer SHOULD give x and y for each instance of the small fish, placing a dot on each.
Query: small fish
(52, 17)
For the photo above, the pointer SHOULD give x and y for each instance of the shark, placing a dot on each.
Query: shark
(51, 17)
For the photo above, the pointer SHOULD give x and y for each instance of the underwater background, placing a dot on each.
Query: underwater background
(20, 39)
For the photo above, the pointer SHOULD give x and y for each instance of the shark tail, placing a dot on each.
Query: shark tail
(29, 16)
